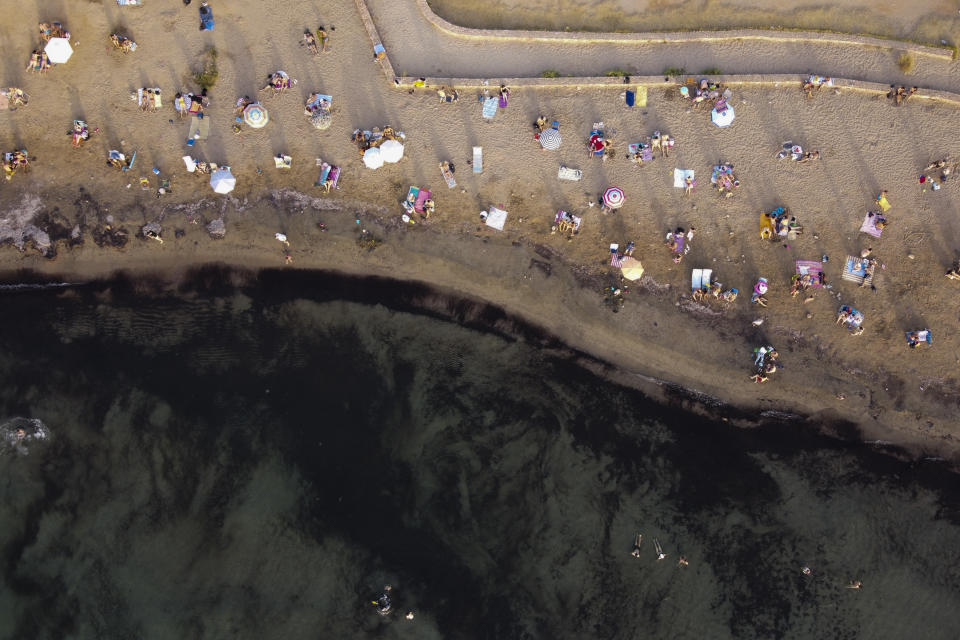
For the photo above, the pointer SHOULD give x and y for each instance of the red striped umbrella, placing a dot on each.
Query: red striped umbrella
(613, 198)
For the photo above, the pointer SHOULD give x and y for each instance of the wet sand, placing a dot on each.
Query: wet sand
(894, 393)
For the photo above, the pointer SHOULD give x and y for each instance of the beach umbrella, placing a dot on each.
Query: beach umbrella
(372, 158)
(391, 151)
(222, 180)
(613, 198)
(631, 268)
(550, 139)
(722, 118)
(255, 115)
(321, 119)
(58, 50)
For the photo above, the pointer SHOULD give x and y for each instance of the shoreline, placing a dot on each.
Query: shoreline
(556, 308)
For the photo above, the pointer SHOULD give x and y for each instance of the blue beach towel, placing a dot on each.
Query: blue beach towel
(489, 107)
(206, 18)
(631, 98)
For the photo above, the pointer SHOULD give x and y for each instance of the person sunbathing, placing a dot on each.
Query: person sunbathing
(540, 124)
(843, 316)
(324, 38)
(311, 43)
(808, 87)
(327, 184)
(808, 156)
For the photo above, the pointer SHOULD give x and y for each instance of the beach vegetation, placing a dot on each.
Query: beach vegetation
(550, 73)
(674, 71)
(712, 71)
(207, 77)
(616, 73)
(906, 62)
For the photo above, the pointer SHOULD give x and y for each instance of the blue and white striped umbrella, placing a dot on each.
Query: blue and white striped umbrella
(550, 139)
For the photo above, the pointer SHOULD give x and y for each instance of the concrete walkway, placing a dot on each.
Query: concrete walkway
(418, 48)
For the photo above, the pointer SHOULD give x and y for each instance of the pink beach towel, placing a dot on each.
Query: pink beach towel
(870, 225)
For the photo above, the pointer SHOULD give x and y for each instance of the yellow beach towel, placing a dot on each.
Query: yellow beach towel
(884, 204)
(641, 96)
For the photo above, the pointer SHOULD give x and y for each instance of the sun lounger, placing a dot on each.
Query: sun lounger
(870, 225)
(496, 218)
(490, 108)
(478, 159)
(854, 270)
(448, 176)
(566, 173)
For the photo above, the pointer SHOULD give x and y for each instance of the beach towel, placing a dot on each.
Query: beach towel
(448, 176)
(478, 159)
(631, 98)
(870, 225)
(157, 101)
(812, 268)
(646, 153)
(565, 173)
(379, 52)
(206, 17)
(411, 199)
(922, 336)
(324, 172)
(503, 100)
(335, 176)
(854, 270)
(315, 103)
(496, 218)
(616, 260)
(700, 279)
(422, 197)
(282, 162)
(191, 163)
(680, 176)
(199, 127)
(641, 96)
(489, 107)
(883, 202)
(129, 3)
(563, 215)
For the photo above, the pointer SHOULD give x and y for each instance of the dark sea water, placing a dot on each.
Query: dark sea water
(256, 457)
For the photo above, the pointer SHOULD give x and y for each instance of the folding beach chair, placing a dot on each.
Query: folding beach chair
(478, 159)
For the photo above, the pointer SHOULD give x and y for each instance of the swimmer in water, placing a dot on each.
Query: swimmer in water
(855, 584)
(636, 546)
(21, 433)
(682, 562)
(806, 571)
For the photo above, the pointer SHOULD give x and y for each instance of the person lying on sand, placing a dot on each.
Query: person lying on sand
(636, 546)
(311, 43)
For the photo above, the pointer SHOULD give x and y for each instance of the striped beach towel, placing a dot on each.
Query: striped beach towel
(616, 260)
(854, 271)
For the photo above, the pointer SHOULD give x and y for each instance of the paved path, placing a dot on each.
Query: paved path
(418, 48)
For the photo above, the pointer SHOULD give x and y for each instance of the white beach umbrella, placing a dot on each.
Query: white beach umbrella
(372, 158)
(722, 118)
(222, 180)
(391, 151)
(58, 50)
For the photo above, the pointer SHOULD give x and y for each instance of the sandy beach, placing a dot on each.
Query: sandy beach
(908, 397)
